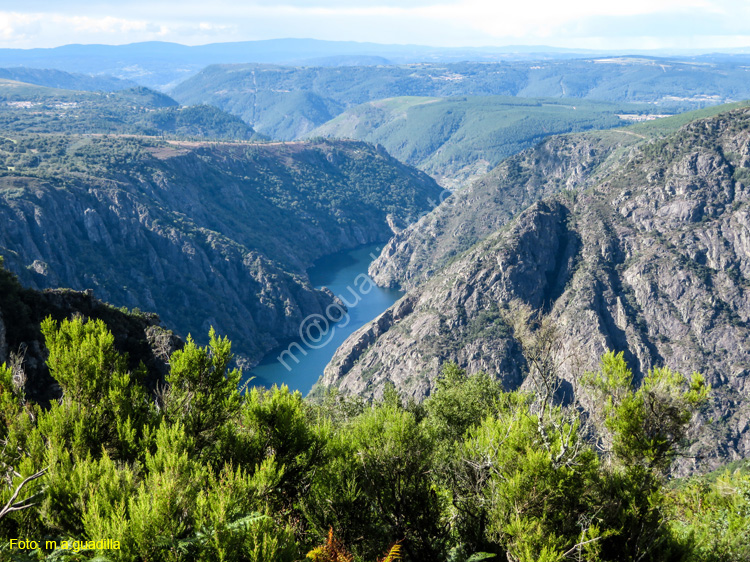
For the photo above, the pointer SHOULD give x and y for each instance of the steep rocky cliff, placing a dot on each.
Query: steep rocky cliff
(467, 216)
(203, 234)
(653, 258)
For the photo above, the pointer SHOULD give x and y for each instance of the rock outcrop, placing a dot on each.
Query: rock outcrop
(564, 162)
(653, 258)
(22, 310)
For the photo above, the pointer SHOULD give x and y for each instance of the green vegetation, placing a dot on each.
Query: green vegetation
(30, 108)
(286, 102)
(22, 310)
(459, 139)
(202, 470)
(186, 466)
(669, 125)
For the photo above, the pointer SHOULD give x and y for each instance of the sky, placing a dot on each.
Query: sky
(577, 24)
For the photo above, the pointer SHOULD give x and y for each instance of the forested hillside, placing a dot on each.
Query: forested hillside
(30, 108)
(458, 140)
(285, 102)
(203, 234)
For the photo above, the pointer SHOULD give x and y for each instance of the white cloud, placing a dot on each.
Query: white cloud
(23, 28)
(543, 18)
(109, 25)
(535, 18)
(52, 29)
(571, 23)
(18, 27)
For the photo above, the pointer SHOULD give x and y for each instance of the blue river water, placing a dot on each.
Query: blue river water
(345, 274)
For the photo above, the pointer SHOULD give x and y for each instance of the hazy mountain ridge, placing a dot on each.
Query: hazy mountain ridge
(53, 78)
(259, 93)
(652, 260)
(160, 64)
(201, 234)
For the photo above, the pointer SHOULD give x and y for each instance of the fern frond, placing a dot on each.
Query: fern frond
(394, 553)
(477, 556)
(332, 551)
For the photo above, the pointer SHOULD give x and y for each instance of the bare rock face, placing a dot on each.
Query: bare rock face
(464, 218)
(206, 236)
(652, 259)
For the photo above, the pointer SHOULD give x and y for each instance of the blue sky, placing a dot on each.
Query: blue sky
(591, 24)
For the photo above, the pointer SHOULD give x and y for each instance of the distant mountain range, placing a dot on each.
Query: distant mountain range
(289, 102)
(162, 65)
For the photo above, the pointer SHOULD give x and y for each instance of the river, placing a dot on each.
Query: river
(344, 274)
